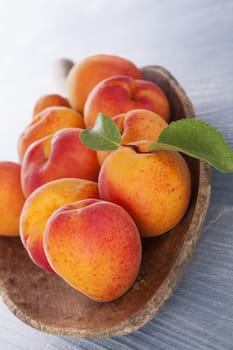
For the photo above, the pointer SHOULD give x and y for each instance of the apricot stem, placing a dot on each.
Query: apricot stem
(136, 148)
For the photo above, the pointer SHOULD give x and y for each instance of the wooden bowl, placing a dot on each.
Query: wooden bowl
(47, 303)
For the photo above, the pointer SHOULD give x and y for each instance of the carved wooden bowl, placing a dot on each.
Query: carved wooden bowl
(47, 303)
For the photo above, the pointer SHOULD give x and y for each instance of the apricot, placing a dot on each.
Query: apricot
(12, 198)
(48, 122)
(40, 205)
(154, 187)
(94, 246)
(136, 125)
(51, 100)
(56, 156)
(120, 94)
(87, 73)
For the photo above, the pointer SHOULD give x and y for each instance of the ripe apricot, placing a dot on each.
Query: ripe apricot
(41, 204)
(120, 94)
(50, 100)
(94, 246)
(136, 125)
(12, 198)
(90, 71)
(57, 156)
(46, 123)
(153, 186)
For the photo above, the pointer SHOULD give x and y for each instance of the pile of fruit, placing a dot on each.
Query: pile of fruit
(81, 212)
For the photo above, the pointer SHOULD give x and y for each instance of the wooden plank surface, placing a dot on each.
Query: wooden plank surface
(194, 41)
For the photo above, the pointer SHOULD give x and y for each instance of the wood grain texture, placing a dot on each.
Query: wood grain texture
(193, 39)
(46, 302)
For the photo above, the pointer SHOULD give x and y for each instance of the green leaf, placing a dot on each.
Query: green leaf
(104, 136)
(199, 140)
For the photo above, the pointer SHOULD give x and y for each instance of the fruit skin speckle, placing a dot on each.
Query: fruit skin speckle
(11, 198)
(85, 75)
(95, 246)
(153, 187)
(41, 204)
